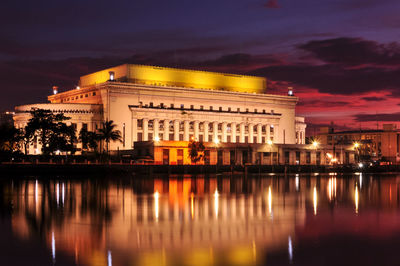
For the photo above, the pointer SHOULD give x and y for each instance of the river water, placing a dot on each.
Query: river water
(317, 219)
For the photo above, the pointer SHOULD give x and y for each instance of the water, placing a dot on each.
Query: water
(198, 220)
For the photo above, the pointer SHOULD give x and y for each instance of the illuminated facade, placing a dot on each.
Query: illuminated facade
(153, 103)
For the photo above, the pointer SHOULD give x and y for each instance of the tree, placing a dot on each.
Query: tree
(196, 150)
(88, 139)
(108, 133)
(9, 138)
(53, 134)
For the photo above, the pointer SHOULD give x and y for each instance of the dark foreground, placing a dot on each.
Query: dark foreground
(261, 219)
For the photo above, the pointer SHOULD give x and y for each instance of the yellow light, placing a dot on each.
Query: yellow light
(192, 205)
(356, 145)
(269, 142)
(329, 155)
(315, 144)
(315, 201)
(216, 140)
(156, 138)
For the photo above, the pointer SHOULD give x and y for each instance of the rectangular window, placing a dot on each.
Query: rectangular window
(238, 110)
(220, 109)
(255, 110)
(308, 157)
(151, 104)
(86, 95)
(201, 107)
(182, 106)
(140, 123)
(211, 108)
(172, 106)
(94, 93)
(229, 109)
(191, 107)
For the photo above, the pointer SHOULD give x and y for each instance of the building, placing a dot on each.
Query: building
(6, 118)
(381, 144)
(172, 106)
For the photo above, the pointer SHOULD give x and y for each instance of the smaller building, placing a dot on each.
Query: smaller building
(380, 144)
(177, 153)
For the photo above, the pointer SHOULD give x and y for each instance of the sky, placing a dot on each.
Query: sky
(342, 57)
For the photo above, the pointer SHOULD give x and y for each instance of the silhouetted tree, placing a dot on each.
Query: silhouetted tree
(88, 139)
(196, 150)
(108, 133)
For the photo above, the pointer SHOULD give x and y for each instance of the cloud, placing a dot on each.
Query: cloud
(373, 99)
(392, 117)
(272, 4)
(354, 51)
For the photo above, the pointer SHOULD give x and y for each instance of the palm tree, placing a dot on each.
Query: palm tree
(88, 139)
(108, 133)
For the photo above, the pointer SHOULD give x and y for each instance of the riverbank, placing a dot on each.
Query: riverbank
(131, 169)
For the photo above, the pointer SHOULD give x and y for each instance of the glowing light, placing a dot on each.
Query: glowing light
(360, 180)
(55, 90)
(109, 258)
(356, 199)
(216, 203)
(156, 138)
(360, 165)
(156, 204)
(36, 192)
(329, 155)
(356, 145)
(53, 246)
(297, 182)
(63, 193)
(78, 88)
(315, 144)
(112, 75)
(269, 142)
(58, 152)
(290, 249)
(315, 201)
(269, 200)
(216, 140)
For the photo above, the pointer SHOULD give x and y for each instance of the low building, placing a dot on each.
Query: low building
(177, 153)
(381, 144)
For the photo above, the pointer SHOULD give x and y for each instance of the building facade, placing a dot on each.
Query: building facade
(381, 144)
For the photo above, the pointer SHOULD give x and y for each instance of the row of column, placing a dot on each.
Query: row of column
(215, 134)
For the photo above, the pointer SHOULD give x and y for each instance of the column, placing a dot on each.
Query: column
(186, 130)
(251, 133)
(303, 138)
(196, 130)
(166, 129)
(205, 124)
(276, 134)
(268, 129)
(233, 132)
(156, 129)
(215, 131)
(145, 129)
(224, 133)
(176, 130)
(259, 133)
(134, 131)
(242, 133)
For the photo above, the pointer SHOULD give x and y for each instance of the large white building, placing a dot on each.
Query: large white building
(156, 103)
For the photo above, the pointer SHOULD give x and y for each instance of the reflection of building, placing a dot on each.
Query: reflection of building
(177, 215)
(375, 144)
(154, 103)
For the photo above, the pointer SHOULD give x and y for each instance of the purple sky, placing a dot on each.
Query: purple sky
(341, 56)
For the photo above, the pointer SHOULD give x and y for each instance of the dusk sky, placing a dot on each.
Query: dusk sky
(341, 56)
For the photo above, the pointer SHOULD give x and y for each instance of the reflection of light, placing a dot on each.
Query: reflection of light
(356, 198)
(290, 249)
(361, 178)
(109, 258)
(216, 203)
(269, 200)
(331, 188)
(156, 209)
(192, 205)
(58, 193)
(36, 192)
(53, 246)
(315, 199)
(297, 182)
(63, 193)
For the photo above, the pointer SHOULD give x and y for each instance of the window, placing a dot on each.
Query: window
(162, 105)
(220, 109)
(86, 95)
(94, 93)
(182, 106)
(140, 123)
(247, 110)
(201, 107)
(255, 110)
(263, 111)
(81, 96)
(238, 110)
(211, 108)
(151, 104)
(229, 109)
(272, 111)
(191, 107)
(172, 105)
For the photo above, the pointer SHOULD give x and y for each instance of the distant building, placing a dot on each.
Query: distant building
(6, 118)
(378, 144)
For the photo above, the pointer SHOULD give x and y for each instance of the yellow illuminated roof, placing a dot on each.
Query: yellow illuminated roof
(163, 76)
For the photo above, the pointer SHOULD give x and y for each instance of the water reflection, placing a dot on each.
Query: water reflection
(204, 220)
